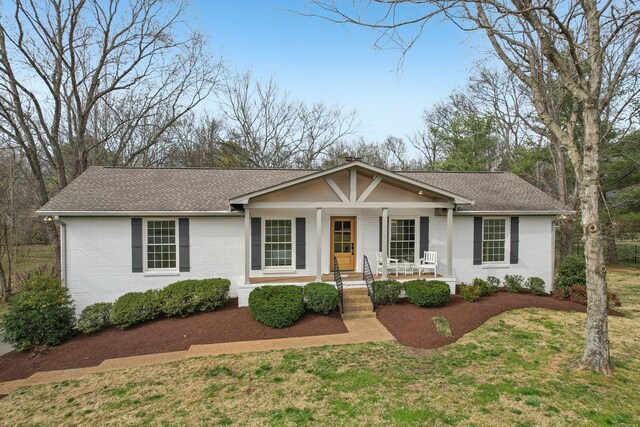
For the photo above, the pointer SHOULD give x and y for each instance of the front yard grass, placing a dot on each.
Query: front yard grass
(516, 369)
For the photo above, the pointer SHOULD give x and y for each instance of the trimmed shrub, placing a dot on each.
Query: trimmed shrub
(486, 288)
(95, 317)
(427, 293)
(578, 294)
(320, 298)
(190, 296)
(470, 293)
(494, 282)
(135, 307)
(277, 306)
(536, 285)
(559, 294)
(41, 315)
(513, 282)
(571, 271)
(386, 291)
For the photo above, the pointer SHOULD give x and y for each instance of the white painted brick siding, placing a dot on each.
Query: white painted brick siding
(99, 251)
(99, 257)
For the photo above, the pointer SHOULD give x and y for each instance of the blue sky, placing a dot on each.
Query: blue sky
(316, 60)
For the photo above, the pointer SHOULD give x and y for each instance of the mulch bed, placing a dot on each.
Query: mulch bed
(412, 325)
(229, 324)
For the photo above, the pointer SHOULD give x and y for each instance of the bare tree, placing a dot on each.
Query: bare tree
(589, 49)
(85, 80)
(266, 128)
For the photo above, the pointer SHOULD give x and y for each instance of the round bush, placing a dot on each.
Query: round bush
(42, 314)
(135, 307)
(513, 282)
(277, 306)
(320, 298)
(486, 288)
(386, 291)
(536, 285)
(95, 317)
(190, 296)
(470, 293)
(423, 293)
(571, 271)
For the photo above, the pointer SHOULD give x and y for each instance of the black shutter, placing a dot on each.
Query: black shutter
(380, 234)
(183, 235)
(136, 245)
(301, 250)
(477, 240)
(424, 235)
(256, 243)
(515, 239)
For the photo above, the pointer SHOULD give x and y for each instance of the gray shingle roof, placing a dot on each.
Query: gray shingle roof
(491, 191)
(102, 189)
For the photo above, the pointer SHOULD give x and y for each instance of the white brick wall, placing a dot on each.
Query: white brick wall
(99, 251)
(99, 257)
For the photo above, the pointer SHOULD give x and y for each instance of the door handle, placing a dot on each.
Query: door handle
(351, 248)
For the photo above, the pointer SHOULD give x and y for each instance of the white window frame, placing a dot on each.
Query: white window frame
(145, 232)
(416, 236)
(507, 242)
(272, 268)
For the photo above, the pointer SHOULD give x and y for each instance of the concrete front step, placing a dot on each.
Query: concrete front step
(359, 315)
(356, 299)
(358, 306)
(355, 291)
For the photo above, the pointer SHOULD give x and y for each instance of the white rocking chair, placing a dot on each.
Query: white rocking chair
(392, 264)
(428, 262)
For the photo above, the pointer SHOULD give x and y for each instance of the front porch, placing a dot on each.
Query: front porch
(348, 277)
(294, 231)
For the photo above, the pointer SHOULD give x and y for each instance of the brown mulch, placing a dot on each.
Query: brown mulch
(412, 325)
(229, 324)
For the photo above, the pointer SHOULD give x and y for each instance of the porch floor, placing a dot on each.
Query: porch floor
(347, 276)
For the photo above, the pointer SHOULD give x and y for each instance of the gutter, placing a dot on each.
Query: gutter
(136, 213)
(514, 213)
(63, 248)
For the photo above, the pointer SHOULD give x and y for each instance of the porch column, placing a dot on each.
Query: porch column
(385, 236)
(247, 246)
(449, 242)
(318, 244)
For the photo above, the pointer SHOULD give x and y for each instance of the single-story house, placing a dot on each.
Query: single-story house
(132, 229)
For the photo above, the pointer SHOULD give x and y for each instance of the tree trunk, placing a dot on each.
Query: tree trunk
(4, 288)
(596, 353)
(54, 241)
(565, 235)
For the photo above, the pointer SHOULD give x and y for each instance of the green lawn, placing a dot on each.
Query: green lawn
(517, 369)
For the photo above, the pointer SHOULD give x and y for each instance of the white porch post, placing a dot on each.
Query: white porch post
(450, 242)
(385, 229)
(318, 244)
(247, 245)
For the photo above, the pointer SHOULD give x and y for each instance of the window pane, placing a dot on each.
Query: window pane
(277, 246)
(161, 244)
(402, 239)
(494, 233)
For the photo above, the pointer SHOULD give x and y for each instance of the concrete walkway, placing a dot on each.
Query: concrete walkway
(360, 331)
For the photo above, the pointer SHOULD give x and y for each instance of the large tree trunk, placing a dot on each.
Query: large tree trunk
(596, 353)
(54, 241)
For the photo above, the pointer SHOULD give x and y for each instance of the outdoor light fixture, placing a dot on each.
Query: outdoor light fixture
(48, 218)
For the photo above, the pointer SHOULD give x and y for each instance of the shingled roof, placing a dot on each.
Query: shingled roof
(114, 189)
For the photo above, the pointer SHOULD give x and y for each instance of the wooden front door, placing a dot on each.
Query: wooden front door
(343, 242)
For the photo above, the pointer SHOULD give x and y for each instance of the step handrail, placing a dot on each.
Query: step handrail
(367, 275)
(337, 277)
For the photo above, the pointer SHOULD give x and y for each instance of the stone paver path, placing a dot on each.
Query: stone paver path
(360, 331)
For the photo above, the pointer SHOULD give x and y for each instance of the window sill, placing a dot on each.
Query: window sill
(278, 271)
(160, 273)
(485, 266)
